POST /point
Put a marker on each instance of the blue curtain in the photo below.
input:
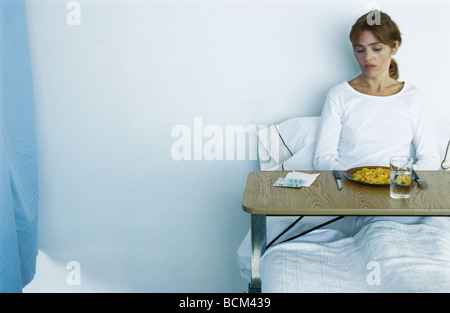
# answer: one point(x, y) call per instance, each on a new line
point(18, 153)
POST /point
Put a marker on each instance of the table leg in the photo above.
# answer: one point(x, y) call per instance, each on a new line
point(258, 232)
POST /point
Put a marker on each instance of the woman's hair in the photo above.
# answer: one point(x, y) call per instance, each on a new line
point(384, 28)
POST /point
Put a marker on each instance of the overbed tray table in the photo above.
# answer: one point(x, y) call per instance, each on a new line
point(323, 198)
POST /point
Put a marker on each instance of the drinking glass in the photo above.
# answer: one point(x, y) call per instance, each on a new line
point(401, 168)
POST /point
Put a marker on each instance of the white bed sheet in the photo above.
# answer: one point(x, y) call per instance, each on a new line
point(383, 256)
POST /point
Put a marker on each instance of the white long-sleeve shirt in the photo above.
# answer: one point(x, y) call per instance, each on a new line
point(363, 130)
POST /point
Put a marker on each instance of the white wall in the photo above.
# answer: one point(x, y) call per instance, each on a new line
point(110, 90)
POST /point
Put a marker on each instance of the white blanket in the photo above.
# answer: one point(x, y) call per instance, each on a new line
point(384, 256)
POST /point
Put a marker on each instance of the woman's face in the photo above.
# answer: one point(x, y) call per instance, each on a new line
point(373, 57)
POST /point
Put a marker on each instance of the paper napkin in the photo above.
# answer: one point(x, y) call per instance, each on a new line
point(308, 179)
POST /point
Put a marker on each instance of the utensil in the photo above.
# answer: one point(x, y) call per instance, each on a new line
point(423, 184)
point(338, 178)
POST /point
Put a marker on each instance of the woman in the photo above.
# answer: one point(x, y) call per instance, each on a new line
point(374, 116)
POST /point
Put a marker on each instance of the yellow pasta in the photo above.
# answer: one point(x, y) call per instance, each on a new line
point(379, 176)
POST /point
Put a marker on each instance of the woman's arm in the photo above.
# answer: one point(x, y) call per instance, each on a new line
point(427, 154)
point(326, 154)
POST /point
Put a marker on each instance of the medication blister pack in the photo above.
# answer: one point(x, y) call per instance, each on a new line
point(288, 182)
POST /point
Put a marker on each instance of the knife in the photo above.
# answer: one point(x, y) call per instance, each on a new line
point(338, 179)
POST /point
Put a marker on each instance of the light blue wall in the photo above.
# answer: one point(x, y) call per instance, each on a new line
point(110, 91)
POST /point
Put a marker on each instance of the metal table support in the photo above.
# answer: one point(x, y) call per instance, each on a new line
point(259, 245)
point(258, 236)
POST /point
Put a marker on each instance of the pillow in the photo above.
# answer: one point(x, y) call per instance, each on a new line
point(289, 145)
point(446, 162)
point(271, 150)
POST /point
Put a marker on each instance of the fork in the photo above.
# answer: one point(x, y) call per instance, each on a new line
point(423, 184)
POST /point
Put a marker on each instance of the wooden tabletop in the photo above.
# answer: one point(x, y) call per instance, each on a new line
point(324, 198)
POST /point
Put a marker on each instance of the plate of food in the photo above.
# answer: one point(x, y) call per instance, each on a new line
point(370, 175)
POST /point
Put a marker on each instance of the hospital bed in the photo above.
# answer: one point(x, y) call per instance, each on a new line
point(408, 254)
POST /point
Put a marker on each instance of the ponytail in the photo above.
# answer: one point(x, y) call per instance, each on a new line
point(393, 69)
